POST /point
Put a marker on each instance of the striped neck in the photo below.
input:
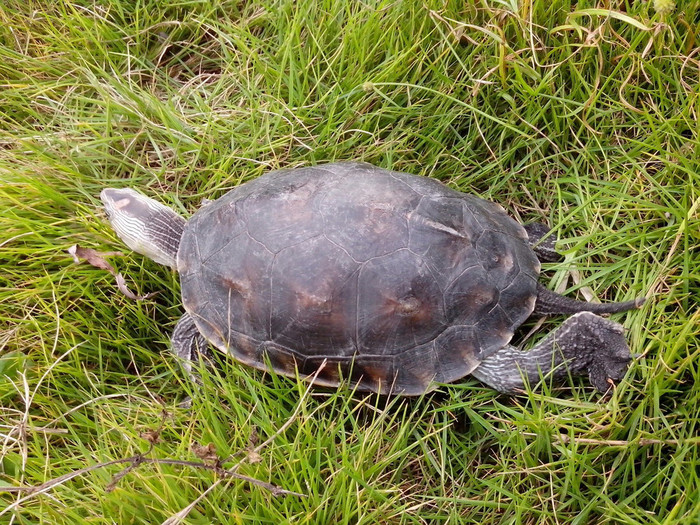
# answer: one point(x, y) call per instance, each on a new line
point(145, 225)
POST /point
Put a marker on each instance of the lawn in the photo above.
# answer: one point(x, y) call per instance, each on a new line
point(579, 114)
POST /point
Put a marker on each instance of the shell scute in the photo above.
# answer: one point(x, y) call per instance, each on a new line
point(416, 370)
point(457, 349)
point(401, 304)
point(471, 296)
point(493, 331)
point(280, 359)
point(314, 298)
point(498, 257)
point(283, 214)
point(439, 234)
point(376, 227)
point(236, 285)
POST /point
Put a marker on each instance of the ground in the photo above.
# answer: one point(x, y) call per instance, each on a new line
point(581, 115)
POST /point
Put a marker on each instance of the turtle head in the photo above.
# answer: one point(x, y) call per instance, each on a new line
point(146, 226)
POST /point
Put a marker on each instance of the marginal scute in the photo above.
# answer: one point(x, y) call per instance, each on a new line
point(457, 350)
point(493, 331)
point(515, 304)
point(396, 282)
point(328, 371)
point(424, 186)
point(377, 373)
point(279, 358)
point(490, 216)
point(380, 373)
point(416, 370)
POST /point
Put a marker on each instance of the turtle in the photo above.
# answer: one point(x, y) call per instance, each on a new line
point(386, 282)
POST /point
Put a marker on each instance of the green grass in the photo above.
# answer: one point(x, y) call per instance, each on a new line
point(583, 120)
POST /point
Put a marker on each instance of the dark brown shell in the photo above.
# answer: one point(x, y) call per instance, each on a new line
point(395, 281)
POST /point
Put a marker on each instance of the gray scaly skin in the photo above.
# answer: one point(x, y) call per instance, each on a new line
point(585, 344)
point(541, 242)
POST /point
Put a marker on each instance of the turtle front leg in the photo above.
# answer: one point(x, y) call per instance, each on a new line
point(188, 344)
point(584, 344)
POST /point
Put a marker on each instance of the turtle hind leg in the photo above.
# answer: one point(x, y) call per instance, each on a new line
point(189, 344)
point(585, 344)
point(541, 242)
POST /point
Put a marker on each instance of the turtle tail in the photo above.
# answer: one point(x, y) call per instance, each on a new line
point(551, 303)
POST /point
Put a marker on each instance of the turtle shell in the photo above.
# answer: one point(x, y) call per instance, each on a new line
point(394, 281)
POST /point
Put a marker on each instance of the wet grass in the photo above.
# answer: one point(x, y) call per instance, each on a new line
point(580, 116)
